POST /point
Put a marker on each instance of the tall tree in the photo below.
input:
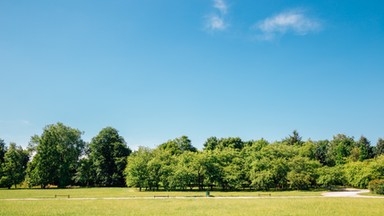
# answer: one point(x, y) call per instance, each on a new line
point(330, 176)
point(2, 152)
point(108, 152)
point(340, 148)
point(379, 147)
point(137, 172)
point(211, 143)
point(14, 166)
point(3, 149)
point(321, 153)
point(302, 173)
point(231, 142)
point(58, 151)
point(365, 148)
point(84, 174)
point(294, 139)
point(178, 146)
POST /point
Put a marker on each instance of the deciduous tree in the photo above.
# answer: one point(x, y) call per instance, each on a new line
point(58, 151)
point(379, 147)
point(14, 166)
point(108, 153)
point(136, 172)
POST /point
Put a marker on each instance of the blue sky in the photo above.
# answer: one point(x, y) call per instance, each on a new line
point(156, 70)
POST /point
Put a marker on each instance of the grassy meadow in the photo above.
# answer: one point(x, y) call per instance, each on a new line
point(97, 201)
point(131, 193)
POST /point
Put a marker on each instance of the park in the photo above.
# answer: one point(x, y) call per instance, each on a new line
point(128, 201)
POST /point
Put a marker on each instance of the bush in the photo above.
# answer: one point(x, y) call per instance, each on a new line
point(376, 186)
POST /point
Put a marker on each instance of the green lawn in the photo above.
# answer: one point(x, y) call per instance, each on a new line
point(127, 192)
point(199, 206)
point(308, 203)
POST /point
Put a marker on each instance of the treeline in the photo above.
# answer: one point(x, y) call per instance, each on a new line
point(233, 164)
point(60, 157)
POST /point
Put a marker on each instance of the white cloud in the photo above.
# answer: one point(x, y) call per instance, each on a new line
point(295, 21)
point(220, 5)
point(216, 21)
point(25, 122)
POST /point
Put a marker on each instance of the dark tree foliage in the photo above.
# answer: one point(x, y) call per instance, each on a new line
point(322, 147)
point(61, 158)
point(85, 175)
point(14, 166)
point(379, 147)
point(108, 153)
point(231, 142)
point(213, 143)
point(340, 149)
point(58, 151)
point(294, 139)
point(137, 170)
point(365, 149)
point(2, 151)
point(178, 145)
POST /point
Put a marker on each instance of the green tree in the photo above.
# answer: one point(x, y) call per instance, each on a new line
point(85, 174)
point(321, 153)
point(161, 167)
point(2, 153)
point(269, 168)
point(108, 153)
point(308, 149)
point(294, 139)
point(3, 149)
point(267, 174)
point(14, 166)
point(302, 174)
point(231, 142)
point(212, 168)
point(178, 146)
point(211, 143)
point(358, 174)
point(136, 172)
point(58, 151)
point(340, 149)
point(185, 171)
point(377, 167)
point(330, 176)
point(379, 147)
point(365, 148)
point(234, 171)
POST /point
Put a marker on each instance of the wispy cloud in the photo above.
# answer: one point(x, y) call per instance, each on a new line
point(216, 21)
point(293, 21)
point(25, 122)
point(220, 5)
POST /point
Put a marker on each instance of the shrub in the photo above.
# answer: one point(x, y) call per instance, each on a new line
point(376, 186)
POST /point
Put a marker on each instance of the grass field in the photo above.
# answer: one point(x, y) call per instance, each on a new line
point(305, 203)
point(127, 192)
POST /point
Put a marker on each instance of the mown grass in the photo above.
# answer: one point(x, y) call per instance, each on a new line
point(197, 206)
point(279, 203)
point(128, 192)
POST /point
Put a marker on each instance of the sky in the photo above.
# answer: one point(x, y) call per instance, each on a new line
point(157, 70)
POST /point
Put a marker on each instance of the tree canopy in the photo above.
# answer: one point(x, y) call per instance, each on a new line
point(60, 157)
point(14, 166)
point(58, 152)
point(108, 155)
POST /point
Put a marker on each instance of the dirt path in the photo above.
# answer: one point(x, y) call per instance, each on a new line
point(346, 193)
